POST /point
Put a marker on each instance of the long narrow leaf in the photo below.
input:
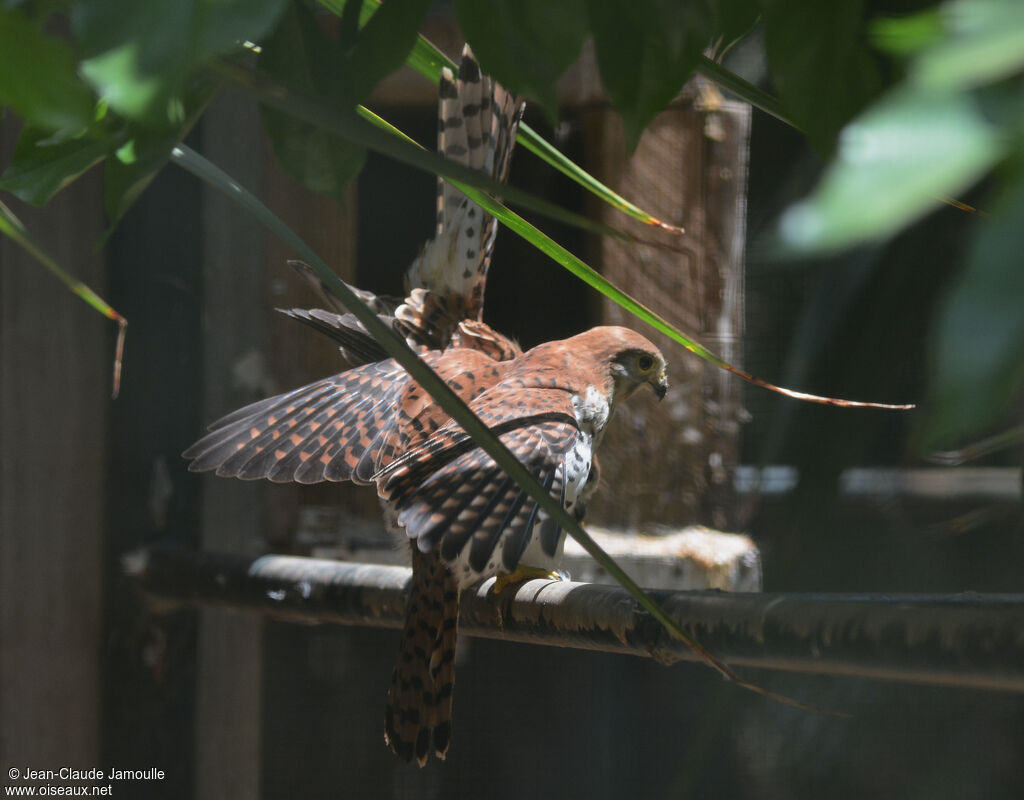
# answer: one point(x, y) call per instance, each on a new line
point(979, 449)
point(428, 60)
point(546, 151)
point(580, 221)
point(595, 279)
point(471, 182)
point(454, 406)
point(12, 227)
point(362, 128)
point(742, 89)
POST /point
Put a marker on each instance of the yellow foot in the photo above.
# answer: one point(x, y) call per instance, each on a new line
point(522, 573)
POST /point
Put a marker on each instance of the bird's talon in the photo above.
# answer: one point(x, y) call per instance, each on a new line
point(521, 575)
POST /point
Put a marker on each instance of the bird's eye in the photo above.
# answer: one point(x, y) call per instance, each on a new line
point(645, 363)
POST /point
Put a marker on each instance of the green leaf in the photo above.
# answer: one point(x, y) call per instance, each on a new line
point(978, 339)
point(646, 49)
point(42, 167)
point(820, 63)
point(892, 166)
point(365, 133)
point(138, 54)
point(453, 171)
point(525, 44)
point(300, 53)
point(38, 78)
point(340, 73)
point(984, 42)
point(316, 158)
point(13, 228)
point(222, 25)
point(906, 35)
point(383, 44)
point(744, 90)
point(139, 151)
point(960, 44)
point(424, 57)
point(427, 60)
point(120, 80)
point(128, 171)
point(547, 152)
point(594, 279)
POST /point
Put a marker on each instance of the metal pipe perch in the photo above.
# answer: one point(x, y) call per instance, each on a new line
point(966, 640)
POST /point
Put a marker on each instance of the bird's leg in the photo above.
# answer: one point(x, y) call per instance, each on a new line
point(523, 573)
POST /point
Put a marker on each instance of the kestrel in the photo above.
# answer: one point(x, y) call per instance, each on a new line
point(466, 519)
point(373, 424)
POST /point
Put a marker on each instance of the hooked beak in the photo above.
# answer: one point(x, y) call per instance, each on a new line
point(660, 387)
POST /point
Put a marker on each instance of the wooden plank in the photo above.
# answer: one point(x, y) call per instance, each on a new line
point(154, 261)
point(56, 356)
point(296, 355)
point(230, 664)
point(313, 679)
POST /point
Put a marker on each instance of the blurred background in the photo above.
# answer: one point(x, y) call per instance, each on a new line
point(236, 706)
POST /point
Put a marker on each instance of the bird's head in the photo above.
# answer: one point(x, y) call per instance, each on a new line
point(632, 360)
point(632, 368)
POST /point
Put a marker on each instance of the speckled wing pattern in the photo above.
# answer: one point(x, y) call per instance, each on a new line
point(466, 517)
point(451, 496)
point(373, 424)
point(335, 429)
point(346, 427)
point(354, 426)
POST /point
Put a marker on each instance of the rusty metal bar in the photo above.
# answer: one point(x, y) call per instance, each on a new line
point(964, 640)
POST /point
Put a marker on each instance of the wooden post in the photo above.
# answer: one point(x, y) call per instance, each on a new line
point(315, 680)
point(675, 459)
point(229, 660)
point(56, 358)
point(295, 354)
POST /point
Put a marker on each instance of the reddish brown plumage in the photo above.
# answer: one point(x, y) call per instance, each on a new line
point(457, 507)
point(463, 516)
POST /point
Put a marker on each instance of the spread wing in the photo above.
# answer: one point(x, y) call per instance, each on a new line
point(346, 427)
point(452, 495)
point(323, 431)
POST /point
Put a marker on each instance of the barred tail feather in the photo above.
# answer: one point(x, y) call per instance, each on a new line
point(418, 717)
point(477, 124)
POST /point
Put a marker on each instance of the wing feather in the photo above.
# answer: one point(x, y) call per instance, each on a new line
point(270, 418)
point(264, 456)
point(277, 438)
point(515, 538)
point(473, 518)
point(423, 484)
